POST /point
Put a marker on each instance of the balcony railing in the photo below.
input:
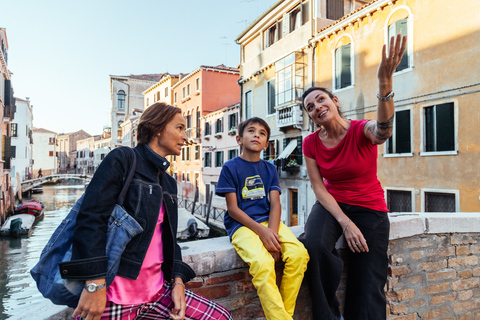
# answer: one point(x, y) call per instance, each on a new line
point(289, 116)
point(193, 133)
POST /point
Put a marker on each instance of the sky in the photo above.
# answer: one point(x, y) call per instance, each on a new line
point(61, 52)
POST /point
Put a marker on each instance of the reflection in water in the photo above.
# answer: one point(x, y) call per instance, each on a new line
point(17, 256)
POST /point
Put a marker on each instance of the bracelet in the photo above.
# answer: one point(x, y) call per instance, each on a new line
point(346, 226)
point(388, 97)
point(178, 282)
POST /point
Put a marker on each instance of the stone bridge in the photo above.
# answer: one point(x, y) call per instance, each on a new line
point(27, 185)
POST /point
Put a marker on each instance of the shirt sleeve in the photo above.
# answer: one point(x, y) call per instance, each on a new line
point(226, 183)
point(308, 147)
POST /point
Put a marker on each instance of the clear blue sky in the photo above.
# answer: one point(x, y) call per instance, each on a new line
point(61, 52)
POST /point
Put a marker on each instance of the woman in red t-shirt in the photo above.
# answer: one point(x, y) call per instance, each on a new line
point(341, 160)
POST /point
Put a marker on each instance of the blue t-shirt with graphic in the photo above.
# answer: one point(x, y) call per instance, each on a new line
point(252, 183)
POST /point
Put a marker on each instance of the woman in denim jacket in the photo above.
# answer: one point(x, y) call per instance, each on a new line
point(151, 276)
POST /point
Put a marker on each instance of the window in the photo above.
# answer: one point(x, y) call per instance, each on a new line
point(188, 120)
point(121, 99)
point(188, 90)
point(183, 176)
point(401, 26)
point(13, 130)
point(148, 103)
point(232, 121)
point(248, 105)
point(440, 202)
point(399, 201)
point(13, 151)
point(184, 92)
point(400, 141)
point(297, 152)
point(335, 9)
point(158, 95)
point(207, 129)
point(271, 152)
point(439, 128)
point(166, 92)
point(207, 159)
point(197, 84)
point(232, 153)
point(218, 159)
point(273, 33)
point(175, 176)
point(50, 153)
point(197, 123)
point(289, 78)
point(183, 154)
point(175, 97)
point(187, 151)
point(188, 177)
point(219, 126)
point(343, 74)
point(295, 19)
point(51, 140)
point(197, 152)
point(271, 96)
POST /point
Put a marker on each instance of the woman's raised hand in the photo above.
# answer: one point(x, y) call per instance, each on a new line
point(390, 63)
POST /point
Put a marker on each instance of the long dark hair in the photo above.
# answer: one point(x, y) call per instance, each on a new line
point(325, 90)
point(154, 119)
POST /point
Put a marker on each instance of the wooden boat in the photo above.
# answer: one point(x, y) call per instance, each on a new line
point(190, 227)
point(32, 207)
point(22, 221)
point(37, 189)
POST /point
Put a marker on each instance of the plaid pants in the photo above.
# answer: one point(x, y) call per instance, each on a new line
point(198, 308)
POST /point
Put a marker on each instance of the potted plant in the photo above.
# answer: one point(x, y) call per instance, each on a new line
point(292, 166)
point(232, 131)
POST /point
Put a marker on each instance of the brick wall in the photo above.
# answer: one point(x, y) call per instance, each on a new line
point(433, 274)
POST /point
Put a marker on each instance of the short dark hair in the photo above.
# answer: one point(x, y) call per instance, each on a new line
point(325, 90)
point(154, 119)
point(263, 123)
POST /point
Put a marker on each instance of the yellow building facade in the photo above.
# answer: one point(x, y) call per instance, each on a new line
point(431, 161)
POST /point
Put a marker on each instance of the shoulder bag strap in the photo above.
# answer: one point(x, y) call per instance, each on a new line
point(121, 197)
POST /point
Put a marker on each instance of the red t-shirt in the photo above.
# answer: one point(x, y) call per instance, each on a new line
point(350, 168)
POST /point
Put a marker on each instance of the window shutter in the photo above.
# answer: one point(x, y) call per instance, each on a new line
point(346, 64)
point(286, 24)
point(402, 28)
point(445, 127)
point(338, 68)
point(299, 150)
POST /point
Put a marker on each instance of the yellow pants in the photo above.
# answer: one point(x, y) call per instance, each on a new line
point(276, 304)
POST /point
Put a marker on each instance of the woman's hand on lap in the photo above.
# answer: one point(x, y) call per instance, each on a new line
point(179, 306)
point(91, 304)
point(355, 240)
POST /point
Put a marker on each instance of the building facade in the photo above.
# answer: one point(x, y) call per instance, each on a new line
point(201, 92)
point(7, 105)
point(44, 152)
point(21, 131)
point(219, 144)
point(67, 149)
point(428, 163)
point(127, 100)
point(161, 91)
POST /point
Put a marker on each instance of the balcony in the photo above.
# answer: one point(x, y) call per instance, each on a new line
point(289, 116)
point(193, 134)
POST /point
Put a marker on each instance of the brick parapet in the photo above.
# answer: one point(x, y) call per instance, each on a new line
point(433, 273)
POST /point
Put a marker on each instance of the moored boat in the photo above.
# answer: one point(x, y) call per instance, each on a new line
point(32, 207)
point(18, 225)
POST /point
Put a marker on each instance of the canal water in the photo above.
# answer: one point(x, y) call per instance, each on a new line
point(18, 291)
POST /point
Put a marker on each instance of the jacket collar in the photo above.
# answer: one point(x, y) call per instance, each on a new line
point(148, 154)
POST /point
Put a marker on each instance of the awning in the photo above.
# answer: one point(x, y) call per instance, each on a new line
point(288, 150)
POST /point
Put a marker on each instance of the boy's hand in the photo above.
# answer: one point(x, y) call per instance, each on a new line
point(270, 240)
point(275, 255)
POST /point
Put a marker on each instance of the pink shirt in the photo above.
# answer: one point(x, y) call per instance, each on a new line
point(350, 168)
point(126, 291)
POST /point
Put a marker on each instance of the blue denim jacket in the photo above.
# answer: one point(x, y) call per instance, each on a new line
point(150, 186)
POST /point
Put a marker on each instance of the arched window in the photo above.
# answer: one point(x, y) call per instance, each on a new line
point(343, 63)
point(400, 21)
point(121, 99)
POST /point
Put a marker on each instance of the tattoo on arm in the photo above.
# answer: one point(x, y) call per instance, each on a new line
point(384, 129)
